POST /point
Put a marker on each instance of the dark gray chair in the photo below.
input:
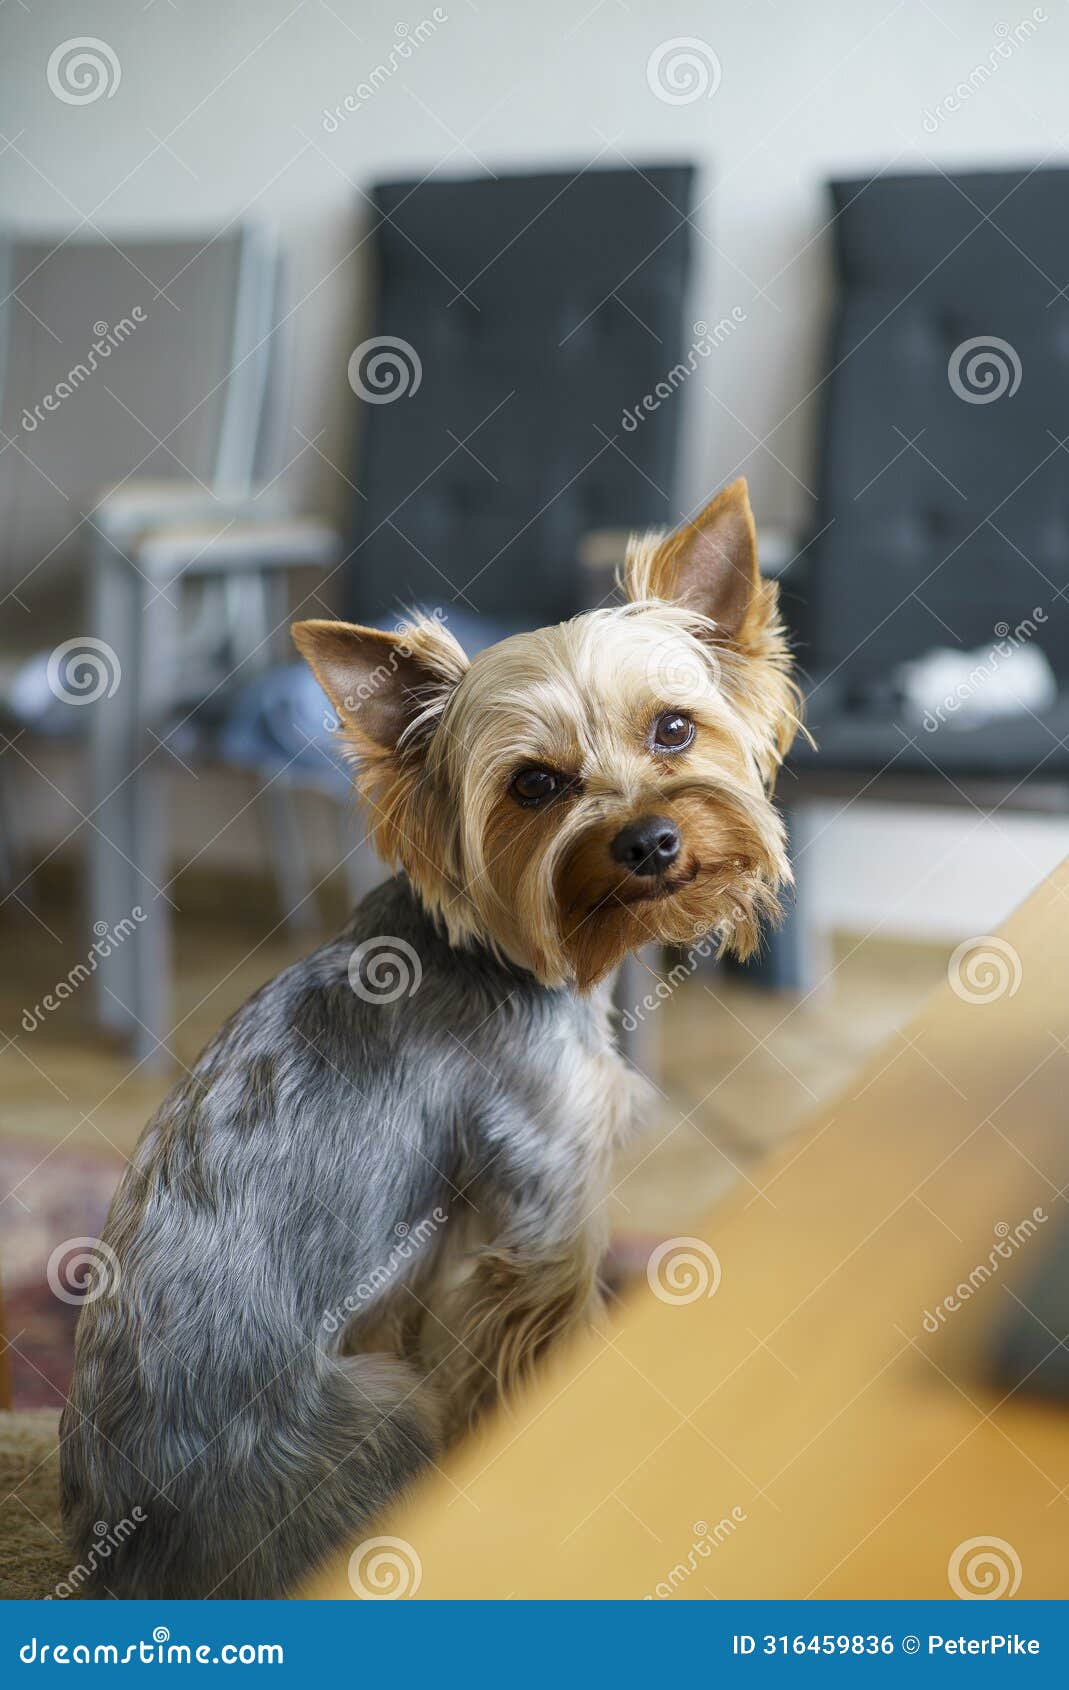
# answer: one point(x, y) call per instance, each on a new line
point(943, 515)
point(540, 309)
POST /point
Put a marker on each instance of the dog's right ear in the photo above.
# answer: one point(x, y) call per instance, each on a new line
point(382, 684)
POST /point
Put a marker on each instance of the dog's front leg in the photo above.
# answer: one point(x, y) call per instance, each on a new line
point(532, 1282)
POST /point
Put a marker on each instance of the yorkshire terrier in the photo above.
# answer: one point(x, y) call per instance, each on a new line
point(380, 1194)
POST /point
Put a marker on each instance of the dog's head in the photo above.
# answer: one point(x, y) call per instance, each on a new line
point(575, 792)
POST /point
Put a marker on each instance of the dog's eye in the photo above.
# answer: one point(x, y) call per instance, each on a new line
point(535, 785)
point(672, 731)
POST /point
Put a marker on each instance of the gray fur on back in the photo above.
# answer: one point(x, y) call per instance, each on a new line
point(209, 1389)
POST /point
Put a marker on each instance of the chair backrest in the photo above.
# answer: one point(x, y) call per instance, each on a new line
point(125, 359)
point(944, 488)
point(534, 315)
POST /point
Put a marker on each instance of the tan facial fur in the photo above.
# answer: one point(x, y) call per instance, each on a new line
point(437, 742)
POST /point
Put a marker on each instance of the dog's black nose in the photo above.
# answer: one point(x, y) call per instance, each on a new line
point(648, 846)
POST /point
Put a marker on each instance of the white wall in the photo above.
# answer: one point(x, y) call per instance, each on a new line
point(219, 111)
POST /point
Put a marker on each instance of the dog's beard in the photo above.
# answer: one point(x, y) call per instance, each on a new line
point(725, 883)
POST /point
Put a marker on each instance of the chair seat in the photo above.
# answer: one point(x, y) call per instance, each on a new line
point(872, 740)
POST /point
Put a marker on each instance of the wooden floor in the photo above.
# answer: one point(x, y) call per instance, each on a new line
point(740, 1070)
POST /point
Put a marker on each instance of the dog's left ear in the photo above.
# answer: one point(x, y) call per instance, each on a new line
point(708, 564)
point(379, 683)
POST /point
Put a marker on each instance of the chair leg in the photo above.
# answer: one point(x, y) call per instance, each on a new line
point(359, 859)
point(8, 877)
point(152, 947)
point(289, 857)
point(637, 1036)
point(113, 756)
point(795, 956)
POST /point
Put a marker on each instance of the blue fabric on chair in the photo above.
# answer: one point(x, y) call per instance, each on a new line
point(282, 723)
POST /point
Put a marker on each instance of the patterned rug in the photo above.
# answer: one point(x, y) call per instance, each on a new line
point(52, 1207)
